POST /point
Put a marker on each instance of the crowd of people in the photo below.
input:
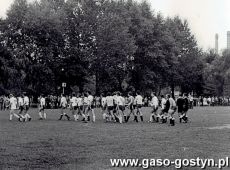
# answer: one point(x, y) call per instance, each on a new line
point(114, 107)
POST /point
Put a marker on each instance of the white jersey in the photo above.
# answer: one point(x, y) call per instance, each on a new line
point(103, 101)
point(131, 100)
point(138, 100)
point(172, 102)
point(26, 101)
point(73, 101)
point(120, 100)
point(163, 102)
point(20, 101)
point(154, 101)
point(63, 101)
point(90, 100)
point(115, 99)
point(79, 101)
point(85, 101)
point(13, 103)
point(109, 101)
point(42, 102)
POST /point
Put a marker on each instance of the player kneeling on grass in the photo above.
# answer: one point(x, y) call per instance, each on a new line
point(63, 105)
point(73, 106)
point(172, 110)
point(42, 105)
point(154, 117)
point(139, 102)
point(13, 107)
point(180, 105)
point(26, 107)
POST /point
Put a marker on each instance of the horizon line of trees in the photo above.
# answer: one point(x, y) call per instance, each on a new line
point(99, 45)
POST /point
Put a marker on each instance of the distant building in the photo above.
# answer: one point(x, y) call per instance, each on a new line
point(228, 40)
point(216, 43)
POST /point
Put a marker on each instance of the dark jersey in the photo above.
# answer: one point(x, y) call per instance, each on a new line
point(180, 104)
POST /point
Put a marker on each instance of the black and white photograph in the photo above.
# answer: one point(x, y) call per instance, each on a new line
point(114, 84)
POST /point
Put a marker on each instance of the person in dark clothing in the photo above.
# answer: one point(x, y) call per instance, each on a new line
point(165, 110)
point(185, 108)
point(180, 106)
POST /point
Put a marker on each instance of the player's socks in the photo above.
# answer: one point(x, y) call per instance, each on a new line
point(104, 116)
point(88, 118)
point(75, 117)
point(67, 116)
point(94, 118)
point(173, 121)
point(127, 119)
point(40, 115)
point(44, 115)
point(11, 117)
point(60, 117)
point(142, 118)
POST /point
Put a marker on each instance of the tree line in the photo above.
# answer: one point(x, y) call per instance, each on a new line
point(99, 45)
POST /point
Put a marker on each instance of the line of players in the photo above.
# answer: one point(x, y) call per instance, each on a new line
point(113, 107)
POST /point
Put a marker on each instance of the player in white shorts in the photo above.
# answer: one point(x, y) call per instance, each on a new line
point(110, 106)
point(139, 103)
point(63, 105)
point(42, 105)
point(120, 106)
point(90, 106)
point(172, 110)
point(13, 107)
point(80, 108)
point(73, 106)
point(21, 108)
point(26, 103)
point(154, 117)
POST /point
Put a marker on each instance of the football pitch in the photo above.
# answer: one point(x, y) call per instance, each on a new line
point(69, 145)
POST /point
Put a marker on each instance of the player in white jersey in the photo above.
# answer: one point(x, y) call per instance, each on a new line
point(130, 106)
point(80, 106)
point(85, 107)
point(110, 106)
point(139, 103)
point(172, 110)
point(26, 103)
point(163, 112)
point(21, 108)
point(103, 107)
point(42, 105)
point(13, 107)
point(73, 106)
point(63, 105)
point(154, 104)
point(120, 106)
point(90, 106)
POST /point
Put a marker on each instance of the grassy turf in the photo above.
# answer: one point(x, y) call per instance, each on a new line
point(53, 144)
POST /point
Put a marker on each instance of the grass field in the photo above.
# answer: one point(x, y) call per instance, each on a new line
point(70, 145)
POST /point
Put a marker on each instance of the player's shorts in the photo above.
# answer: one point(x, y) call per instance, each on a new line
point(21, 108)
point(74, 107)
point(139, 106)
point(110, 108)
point(27, 107)
point(103, 108)
point(42, 108)
point(155, 108)
point(131, 107)
point(122, 108)
point(115, 106)
point(90, 107)
point(134, 106)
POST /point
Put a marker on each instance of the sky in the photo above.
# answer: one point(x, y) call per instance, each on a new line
point(205, 17)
